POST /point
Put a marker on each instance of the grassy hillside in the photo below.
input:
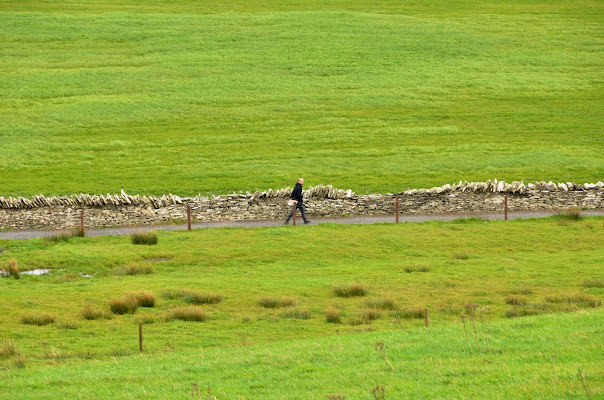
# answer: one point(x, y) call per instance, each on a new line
point(190, 97)
point(492, 272)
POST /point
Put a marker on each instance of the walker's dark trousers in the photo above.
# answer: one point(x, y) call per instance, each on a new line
point(300, 205)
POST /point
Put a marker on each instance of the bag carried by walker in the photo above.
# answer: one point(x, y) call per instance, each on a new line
point(292, 202)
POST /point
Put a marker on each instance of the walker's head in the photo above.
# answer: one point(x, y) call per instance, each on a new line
point(301, 181)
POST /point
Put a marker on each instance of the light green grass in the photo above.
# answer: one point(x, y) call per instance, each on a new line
point(309, 358)
point(188, 97)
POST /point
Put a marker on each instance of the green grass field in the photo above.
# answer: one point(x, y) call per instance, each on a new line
point(490, 271)
point(201, 96)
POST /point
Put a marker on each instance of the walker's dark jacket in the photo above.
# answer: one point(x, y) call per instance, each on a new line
point(297, 193)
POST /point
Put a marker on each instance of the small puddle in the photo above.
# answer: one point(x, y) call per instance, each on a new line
point(38, 271)
point(83, 275)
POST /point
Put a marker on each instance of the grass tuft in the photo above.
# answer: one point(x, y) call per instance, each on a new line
point(136, 269)
point(38, 319)
point(522, 290)
point(572, 214)
point(594, 283)
point(461, 256)
point(123, 305)
point(12, 269)
point(580, 300)
point(417, 268)
point(295, 313)
point(145, 238)
point(381, 304)
point(332, 315)
point(353, 290)
point(68, 324)
point(8, 348)
point(371, 314)
point(64, 236)
point(92, 314)
point(188, 314)
point(409, 313)
point(144, 298)
point(200, 298)
point(515, 300)
point(277, 302)
point(356, 321)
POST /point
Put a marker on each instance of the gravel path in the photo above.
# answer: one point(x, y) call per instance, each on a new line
point(29, 234)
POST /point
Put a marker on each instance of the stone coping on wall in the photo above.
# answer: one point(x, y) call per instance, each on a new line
point(316, 192)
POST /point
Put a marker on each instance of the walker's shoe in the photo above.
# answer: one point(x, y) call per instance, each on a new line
point(286, 223)
point(307, 221)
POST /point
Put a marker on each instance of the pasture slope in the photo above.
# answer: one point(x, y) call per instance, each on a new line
point(221, 96)
point(278, 324)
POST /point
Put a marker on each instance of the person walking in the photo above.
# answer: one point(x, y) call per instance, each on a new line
point(297, 197)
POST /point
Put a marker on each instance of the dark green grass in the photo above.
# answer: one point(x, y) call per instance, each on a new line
point(189, 97)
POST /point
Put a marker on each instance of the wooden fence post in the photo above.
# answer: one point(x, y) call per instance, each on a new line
point(188, 216)
point(140, 336)
point(505, 207)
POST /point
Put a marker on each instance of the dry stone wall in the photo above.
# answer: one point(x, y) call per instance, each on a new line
point(40, 212)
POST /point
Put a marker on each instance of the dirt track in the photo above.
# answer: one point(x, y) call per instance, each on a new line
point(29, 234)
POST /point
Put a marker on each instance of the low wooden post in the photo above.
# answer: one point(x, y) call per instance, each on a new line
point(82, 220)
point(427, 319)
point(505, 207)
point(294, 214)
point(140, 336)
point(188, 217)
point(396, 208)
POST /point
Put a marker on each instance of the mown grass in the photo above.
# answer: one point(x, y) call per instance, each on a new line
point(157, 97)
point(529, 257)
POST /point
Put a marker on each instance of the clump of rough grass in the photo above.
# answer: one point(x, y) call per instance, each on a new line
point(295, 313)
point(332, 315)
point(200, 298)
point(8, 348)
point(38, 319)
point(12, 269)
point(92, 313)
point(123, 305)
point(277, 302)
point(572, 214)
point(381, 304)
point(461, 256)
point(529, 309)
point(353, 290)
point(136, 269)
point(371, 314)
point(356, 321)
point(144, 298)
point(64, 236)
point(146, 238)
point(515, 300)
point(19, 361)
point(417, 268)
point(580, 300)
point(594, 283)
point(409, 313)
point(336, 396)
point(469, 220)
point(72, 325)
point(522, 290)
point(188, 314)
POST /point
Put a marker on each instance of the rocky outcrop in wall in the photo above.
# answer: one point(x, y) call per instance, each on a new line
point(39, 212)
